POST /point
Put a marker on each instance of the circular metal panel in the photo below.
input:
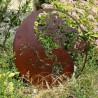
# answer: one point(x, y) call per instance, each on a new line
point(31, 59)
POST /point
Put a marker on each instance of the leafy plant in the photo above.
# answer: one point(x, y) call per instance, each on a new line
point(86, 86)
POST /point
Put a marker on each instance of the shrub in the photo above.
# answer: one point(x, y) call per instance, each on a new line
point(86, 13)
point(86, 86)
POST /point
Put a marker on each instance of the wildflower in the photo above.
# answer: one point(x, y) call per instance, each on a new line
point(46, 6)
point(94, 10)
point(91, 17)
point(95, 24)
point(95, 29)
point(74, 14)
point(97, 41)
point(83, 27)
point(70, 1)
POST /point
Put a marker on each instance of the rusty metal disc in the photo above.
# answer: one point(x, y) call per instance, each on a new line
point(31, 59)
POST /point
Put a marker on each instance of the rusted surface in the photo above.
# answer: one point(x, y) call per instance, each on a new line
point(31, 59)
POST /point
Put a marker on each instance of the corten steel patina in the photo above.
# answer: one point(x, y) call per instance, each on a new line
point(30, 56)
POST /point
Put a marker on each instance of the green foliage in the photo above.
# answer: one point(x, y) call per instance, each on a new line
point(9, 76)
point(53, 41)
point(11, 18)
point(25, 7)
point(45, 1)
point(4, 4)
point(86, 86)
point(83, 87)
point(85, 13)
point(48, 1)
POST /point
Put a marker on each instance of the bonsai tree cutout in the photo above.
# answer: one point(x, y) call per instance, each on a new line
point(47, 45)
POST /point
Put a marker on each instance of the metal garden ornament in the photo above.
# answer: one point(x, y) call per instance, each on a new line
point(46, 46)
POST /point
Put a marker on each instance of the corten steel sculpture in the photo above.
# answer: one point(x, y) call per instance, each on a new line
point(30, 56)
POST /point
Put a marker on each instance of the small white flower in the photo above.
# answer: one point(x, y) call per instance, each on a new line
point(35, 91)
point(97, 41)
point(94, 10)
point(46, 6)
point(70, 1)
point(75, 68)
point(95, 24)
point(74, 14)
point(91, 17)
point(83, 27)
point(95, 29)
